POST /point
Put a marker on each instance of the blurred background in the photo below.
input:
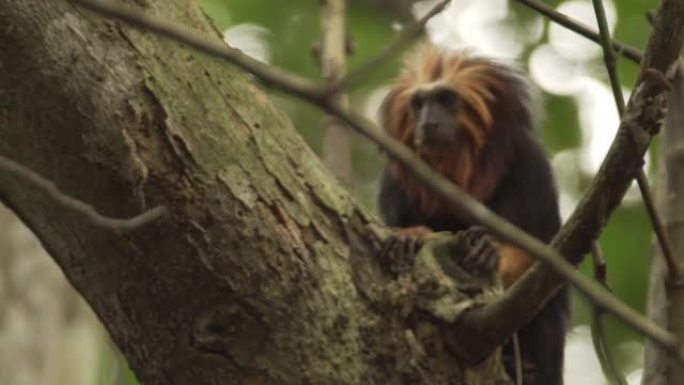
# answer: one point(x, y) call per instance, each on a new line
point(48, 336)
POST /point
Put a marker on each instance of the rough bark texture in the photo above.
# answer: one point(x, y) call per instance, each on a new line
point(665, 297)
point(262, 273)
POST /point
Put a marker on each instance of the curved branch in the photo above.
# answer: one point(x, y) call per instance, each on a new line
point(51, 189)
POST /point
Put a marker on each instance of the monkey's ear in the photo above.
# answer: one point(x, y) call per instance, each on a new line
point(384, 113)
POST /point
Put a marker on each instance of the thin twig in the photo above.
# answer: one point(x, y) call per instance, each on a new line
point(598, 332)
point(625, 50)
point(336, 142)
point(518, 359)
point(603, 352)
point(76, 205)
point(600, 268)
point(405, 38)
point(455, 197)
point(674, 265)
point(610, 59)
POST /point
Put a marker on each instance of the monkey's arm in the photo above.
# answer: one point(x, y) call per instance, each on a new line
point(396, 211)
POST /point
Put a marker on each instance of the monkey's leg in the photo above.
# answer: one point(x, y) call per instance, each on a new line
point(513, 263)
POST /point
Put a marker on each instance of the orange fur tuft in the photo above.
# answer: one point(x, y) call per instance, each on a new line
point(479, 82)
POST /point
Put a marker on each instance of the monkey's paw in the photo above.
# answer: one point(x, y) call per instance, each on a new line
point(483, 255)
point(401, 246)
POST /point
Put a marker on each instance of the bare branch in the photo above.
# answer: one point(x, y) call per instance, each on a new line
point(599, 263)
point(120, 225)
point(625, 50)
point(518, 359)
point(527, 296)
point(673, 263)
point(609, 56)
point(603, 352)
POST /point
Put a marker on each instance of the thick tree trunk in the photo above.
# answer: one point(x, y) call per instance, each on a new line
point(264, 270)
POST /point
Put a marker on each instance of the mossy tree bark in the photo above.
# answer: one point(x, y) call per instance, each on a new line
point(264, 271)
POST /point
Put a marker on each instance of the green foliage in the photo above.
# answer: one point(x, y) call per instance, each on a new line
point(560, 128)
point(626, 243)
point(632, 28)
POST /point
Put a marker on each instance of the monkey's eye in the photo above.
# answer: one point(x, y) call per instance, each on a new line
point(446, 97)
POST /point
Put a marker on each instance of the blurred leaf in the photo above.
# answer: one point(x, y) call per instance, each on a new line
point(626, 243)
point(560, 128)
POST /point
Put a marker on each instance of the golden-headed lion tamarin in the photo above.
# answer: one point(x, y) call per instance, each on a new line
point(471, 119)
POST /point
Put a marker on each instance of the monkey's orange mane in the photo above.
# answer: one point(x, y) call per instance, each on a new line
point(478, 82)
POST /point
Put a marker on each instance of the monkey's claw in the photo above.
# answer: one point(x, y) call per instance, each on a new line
point(483, 256)
point(400, 247)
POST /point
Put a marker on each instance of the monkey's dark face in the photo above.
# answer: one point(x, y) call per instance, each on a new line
point(435, 110)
